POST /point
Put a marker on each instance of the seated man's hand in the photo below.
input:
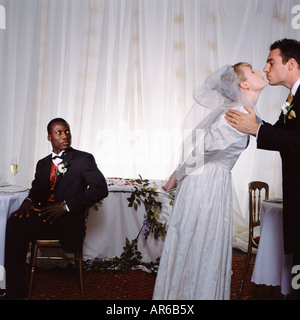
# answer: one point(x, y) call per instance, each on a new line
point(52, 213)
point(24, 209)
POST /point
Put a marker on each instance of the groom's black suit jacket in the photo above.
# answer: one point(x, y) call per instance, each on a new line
point(285, 138)
point(81, 186)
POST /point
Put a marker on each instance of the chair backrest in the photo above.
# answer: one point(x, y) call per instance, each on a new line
point(258, 191)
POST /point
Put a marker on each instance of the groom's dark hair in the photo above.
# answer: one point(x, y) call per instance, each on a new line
point(289, 48)
point(53, 121)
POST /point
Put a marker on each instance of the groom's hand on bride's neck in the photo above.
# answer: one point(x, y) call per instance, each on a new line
point(243, 122)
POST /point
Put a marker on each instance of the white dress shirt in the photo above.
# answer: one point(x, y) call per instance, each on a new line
point(295, 87)
point(57, 160)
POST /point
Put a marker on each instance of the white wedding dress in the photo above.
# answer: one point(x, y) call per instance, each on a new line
point(196, 258)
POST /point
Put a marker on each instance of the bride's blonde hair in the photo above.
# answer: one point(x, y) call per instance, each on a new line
point(239, 72)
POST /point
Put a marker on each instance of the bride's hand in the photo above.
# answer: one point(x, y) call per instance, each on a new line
point(171, 184)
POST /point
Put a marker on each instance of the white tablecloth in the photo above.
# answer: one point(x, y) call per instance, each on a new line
point(108, 227)
point(272, 266)
point(9, 202)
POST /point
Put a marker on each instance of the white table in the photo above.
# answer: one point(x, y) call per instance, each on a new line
point(272, 266)
point(108, 227)
point(9, 202)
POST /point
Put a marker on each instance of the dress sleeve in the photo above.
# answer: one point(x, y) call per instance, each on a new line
point(208, 142)
point(221, 135)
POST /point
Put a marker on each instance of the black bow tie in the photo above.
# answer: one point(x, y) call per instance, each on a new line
point(60, 157)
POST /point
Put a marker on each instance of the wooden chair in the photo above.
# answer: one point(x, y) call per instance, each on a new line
point(77, 258)
point(255, 189)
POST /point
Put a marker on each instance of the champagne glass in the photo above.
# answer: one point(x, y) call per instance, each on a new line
point(14, 167)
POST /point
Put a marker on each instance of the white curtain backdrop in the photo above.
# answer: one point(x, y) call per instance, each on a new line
point(122, 73)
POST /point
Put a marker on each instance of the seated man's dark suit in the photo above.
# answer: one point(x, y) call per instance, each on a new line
point(81, 186)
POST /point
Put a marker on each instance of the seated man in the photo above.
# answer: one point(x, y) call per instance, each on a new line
point(66, 182)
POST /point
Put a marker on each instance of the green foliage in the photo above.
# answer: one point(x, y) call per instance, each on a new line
point(129, 259)
point(147, 196)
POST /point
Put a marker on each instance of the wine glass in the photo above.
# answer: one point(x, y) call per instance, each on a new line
point(14, 167)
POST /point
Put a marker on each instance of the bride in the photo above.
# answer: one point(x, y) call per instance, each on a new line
point(196, 258)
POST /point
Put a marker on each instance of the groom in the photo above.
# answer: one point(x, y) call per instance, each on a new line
point(66, 182)
point(282, 68)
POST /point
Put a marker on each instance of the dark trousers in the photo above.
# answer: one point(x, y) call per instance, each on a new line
point(19, 232)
